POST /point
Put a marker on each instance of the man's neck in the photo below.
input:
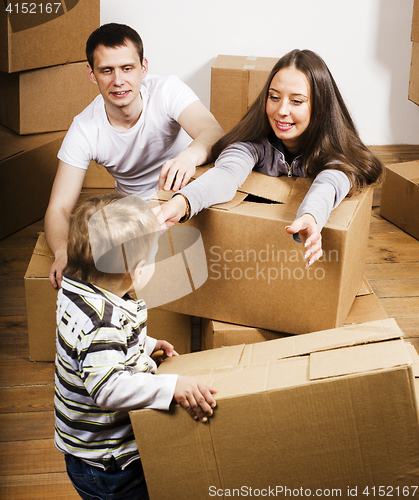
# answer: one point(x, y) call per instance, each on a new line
point(126, 117)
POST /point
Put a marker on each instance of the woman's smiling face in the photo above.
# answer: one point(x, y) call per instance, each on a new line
point(288, 106)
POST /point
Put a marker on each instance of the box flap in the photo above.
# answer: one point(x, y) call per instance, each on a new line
point(41, 247)
point(41, 260)
point(203, 361)
point(298, 345)
point(358, 359)
point(409, 170)
point(275, 189)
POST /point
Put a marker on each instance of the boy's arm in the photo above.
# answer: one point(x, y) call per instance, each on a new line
point(64, 195)
point(204, 129)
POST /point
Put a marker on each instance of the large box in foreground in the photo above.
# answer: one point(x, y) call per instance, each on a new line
point(36, 35)
point(400, 196)
point(236, 81)
point(257, 275)
point(41, 300)
point(333, 410)
point(27, 169)
point(67, 90)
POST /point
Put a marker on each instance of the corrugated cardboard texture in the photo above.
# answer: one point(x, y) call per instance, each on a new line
point(414, 74)
point(27, 166)
point(276, 427)
point(400, 196)
point(256, 272)
point(41, 300)
point(236, 81)
point(38, 39)
point(67, 90)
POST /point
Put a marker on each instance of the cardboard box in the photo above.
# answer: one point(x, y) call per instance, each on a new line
point(256, 273)
point(332, 410)
point(400, 196)
point(236, 81)
point(414, 65)
point(215, 334)
point(48, 34)
point(65, 90)
point(414, 36)
point(27, 169)
point(414, 74)
point(41, 300)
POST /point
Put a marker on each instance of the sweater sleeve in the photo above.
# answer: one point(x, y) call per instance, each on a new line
point(117, 383)
point(329, 188)
point(220, 183)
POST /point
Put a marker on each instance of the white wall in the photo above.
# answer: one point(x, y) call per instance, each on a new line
point(365, 43)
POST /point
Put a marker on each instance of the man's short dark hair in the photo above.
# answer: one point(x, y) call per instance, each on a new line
point(113, 35)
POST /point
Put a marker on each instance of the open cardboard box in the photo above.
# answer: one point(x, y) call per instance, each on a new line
point(366, 307)
point(41, 300)
point(27, 168)
point(67, 86)
point(36, 35)
point(257, 275)
point(331, 410)
point(400, 196)
point(236, 81)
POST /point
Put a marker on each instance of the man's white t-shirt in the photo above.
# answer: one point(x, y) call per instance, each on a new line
point(133, 157)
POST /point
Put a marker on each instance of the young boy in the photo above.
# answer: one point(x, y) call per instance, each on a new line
point(103, 363)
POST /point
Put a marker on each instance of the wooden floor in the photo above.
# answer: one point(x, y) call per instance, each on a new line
point(30, 467)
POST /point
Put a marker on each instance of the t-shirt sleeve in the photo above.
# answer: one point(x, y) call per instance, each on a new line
point(75, 148)
point(178, 96)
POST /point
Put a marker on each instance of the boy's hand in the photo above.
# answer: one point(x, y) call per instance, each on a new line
point(195, 397)
point(163, 350)
point(311, 238)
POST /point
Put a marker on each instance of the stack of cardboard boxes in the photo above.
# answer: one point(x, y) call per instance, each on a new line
point(400, 193)
point(43, 85)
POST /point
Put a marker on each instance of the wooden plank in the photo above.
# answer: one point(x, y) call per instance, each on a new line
point(30, 457)
point(401, 306)
point(25, 238)
point(55, 486)
point(13, 264)
point(25, 372)
point(24, 427)
point(26, 398)
point(396, 288)
point(396, 271)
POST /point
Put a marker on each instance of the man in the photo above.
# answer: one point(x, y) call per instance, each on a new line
point(149, 132)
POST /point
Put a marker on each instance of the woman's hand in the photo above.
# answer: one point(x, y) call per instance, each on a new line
point(311, 238)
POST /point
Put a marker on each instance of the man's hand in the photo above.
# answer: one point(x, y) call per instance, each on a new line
point(311, 238)
point(56, 272)
point(170, 212)
point(176, 173)
point(195, 397)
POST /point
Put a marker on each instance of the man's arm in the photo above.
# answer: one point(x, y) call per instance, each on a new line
point(64, 195)
point(204, 129)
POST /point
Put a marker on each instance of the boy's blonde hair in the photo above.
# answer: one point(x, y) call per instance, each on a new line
point(109, 235)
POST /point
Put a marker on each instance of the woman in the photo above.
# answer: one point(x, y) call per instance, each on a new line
point(299, 125)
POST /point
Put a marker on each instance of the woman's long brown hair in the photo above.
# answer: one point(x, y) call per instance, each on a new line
point(330, 140)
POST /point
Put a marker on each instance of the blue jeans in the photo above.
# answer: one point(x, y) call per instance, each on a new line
point(94, 483)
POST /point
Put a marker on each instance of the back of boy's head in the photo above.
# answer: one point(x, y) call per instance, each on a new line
point(108, 236)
